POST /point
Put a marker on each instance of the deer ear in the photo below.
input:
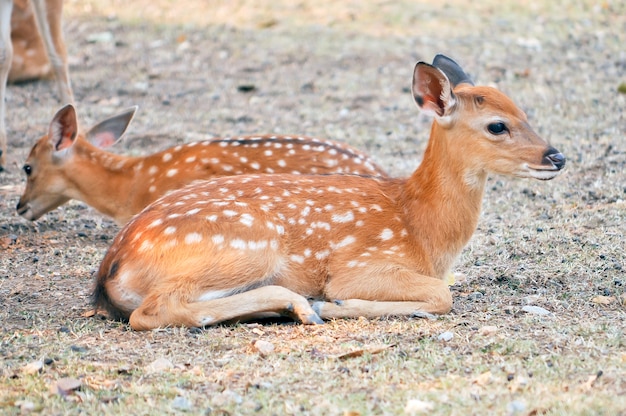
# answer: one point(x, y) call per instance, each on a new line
point(431, 90)
point(63, 128)
point(108, 132)
point(453, 71)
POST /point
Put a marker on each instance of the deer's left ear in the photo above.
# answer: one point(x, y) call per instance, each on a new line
point(108, 132)
point(432, 90)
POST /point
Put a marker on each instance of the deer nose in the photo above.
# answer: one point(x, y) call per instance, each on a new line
point(555, 157)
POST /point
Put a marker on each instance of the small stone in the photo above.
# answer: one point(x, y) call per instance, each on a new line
point(159, 365)
point(33, 368)
point(488, 330)
point(263, 347)
point(445, 336)
point(181, 403)
point(536, 310)
point(65, 386)
point(415, 406)
point(516, 407)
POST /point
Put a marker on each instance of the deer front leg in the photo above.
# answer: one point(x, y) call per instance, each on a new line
point(161, 310)
point(397, 293)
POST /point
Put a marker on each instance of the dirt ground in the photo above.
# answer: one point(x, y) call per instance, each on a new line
point(339, 70)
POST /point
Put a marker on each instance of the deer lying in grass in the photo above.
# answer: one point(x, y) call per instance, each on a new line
point(65, 165)
point(31, 47)
point(239, 247)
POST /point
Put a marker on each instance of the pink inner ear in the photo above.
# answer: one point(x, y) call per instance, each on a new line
point(431, 104)
point(103, 139)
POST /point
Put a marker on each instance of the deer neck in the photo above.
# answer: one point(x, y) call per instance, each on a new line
point(104, 180)
point(443, 201)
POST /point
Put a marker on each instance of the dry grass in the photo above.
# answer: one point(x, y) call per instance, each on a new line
point(338, 70)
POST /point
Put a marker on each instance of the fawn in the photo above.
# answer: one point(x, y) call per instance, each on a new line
point(65, 165)
point(236, 248)
point(31, 47)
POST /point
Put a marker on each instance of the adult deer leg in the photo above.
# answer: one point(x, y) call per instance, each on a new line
point(48, 31)
point(6, 55)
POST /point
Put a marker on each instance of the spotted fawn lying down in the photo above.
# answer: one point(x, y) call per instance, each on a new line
point(65, 164)
point(235, 248)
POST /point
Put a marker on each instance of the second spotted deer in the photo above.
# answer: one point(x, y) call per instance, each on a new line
point(239, 247)
point(65, 164)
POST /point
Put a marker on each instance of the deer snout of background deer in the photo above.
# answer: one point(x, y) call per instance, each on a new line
point(238, 247)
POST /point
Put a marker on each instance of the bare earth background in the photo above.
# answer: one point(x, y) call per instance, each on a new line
point(340, 70)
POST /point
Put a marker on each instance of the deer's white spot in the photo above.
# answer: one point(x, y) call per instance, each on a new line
point(167, 157)
point(229, 213)
point(322, 254)
point(281, 163)
point(296, 259)
point(193, 211)
point(192, 238)
point(345, 217)
point(153, 170)
point(212, 217)
point(169, 230)
point(156, 222)
point(239, 244)
point(171, 172)
point(145, 245)
point(268, 153)
point(255, 165)
point(257, 245)
point(246, 219)
point(386, 234)
point(152, 189)
point(226, 167)
point(190, 159)
point(343, 243)
point(321, 224)
point(217, 239)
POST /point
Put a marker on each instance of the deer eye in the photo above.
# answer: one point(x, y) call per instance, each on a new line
point(28, 169)
point(497, 128)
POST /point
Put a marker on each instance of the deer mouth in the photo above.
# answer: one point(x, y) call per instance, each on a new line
point(25, 211)
point(543, 173)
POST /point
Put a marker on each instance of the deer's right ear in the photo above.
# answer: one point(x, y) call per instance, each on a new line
point(63, 128)
point(431, 90)
point(108, 132)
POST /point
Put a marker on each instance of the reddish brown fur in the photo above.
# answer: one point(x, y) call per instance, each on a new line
point(121, 186)
point(232, 248)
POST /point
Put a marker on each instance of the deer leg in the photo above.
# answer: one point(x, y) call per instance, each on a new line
point(6, 55)
point(59, 64)
point(162, 310)
point(397, 293)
